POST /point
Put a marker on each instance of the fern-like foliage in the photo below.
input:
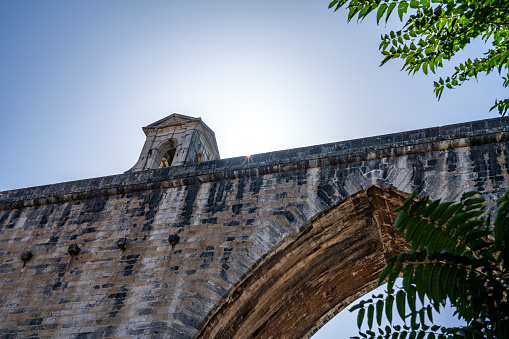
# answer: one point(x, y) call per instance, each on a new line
point(457, 256)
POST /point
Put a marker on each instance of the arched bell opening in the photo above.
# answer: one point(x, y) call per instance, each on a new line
point(315, 273)
point(167, 158)
point(176, 140)
point(166, 153)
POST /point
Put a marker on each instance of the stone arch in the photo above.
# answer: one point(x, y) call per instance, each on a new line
point(165, 153)
point(332, 260)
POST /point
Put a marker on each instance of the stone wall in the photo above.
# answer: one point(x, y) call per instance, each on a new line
point(228, 215)
point(315, 272)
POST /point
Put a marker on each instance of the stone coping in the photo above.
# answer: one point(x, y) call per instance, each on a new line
point(390, 145)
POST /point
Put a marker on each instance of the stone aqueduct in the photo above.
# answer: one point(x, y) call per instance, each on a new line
point(271, 246)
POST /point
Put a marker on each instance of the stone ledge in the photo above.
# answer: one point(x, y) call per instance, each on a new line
point(365, 149)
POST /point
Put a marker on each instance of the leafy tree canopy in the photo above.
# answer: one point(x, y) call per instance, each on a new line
point(435, 30)
point(456, 256)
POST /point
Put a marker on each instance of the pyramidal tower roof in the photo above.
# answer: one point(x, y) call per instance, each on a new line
point(172, 119)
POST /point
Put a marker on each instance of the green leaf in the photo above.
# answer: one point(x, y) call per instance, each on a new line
point(379, 311)
point(461, 218)
point(407, 276)
point(393, 276)
point(401, 303)
point(448, 213)
point(465, 227)
point(450, 282)
point(411, 294)
point(471, 201)
point(461, 281)
point(430, 208)
point(360, 317)
point(380, 12)
point(401, 220)
point(402, 9)
point(388, 307)
point(476, 234)
point(419, 281)
point(432, 66)
point(385, 272)
point(426, 235)
point(333, 3)
point(479, 244)
point(418, 234)
point(437, 213)
point(356, 306)
point(352, 12)
point(418, 207)
point(434, 239)
point(365, 11)
point(422, 318)
point(413, 224)
point(391, 7)
point(436, 288)
point(427, 279)
point(441, 241)
point(371, 311)
point(429, 312)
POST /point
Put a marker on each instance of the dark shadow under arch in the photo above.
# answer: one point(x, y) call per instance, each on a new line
point(313, 274)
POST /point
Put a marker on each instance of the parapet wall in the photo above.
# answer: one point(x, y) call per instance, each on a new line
point(228, 215)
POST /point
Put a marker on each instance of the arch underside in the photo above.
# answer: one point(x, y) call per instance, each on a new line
point(315, 273)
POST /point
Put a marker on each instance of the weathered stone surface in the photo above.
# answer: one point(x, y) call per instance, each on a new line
point(315, 272)
point(231, 216)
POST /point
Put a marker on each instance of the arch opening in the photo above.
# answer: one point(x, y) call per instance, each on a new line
point(167, 158)
point(331, 261)
point(166, 153)
point(347, 321)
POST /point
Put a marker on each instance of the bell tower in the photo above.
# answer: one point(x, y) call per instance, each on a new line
point(176, 140)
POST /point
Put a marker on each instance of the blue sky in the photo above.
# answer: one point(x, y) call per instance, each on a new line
point(78, 80)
